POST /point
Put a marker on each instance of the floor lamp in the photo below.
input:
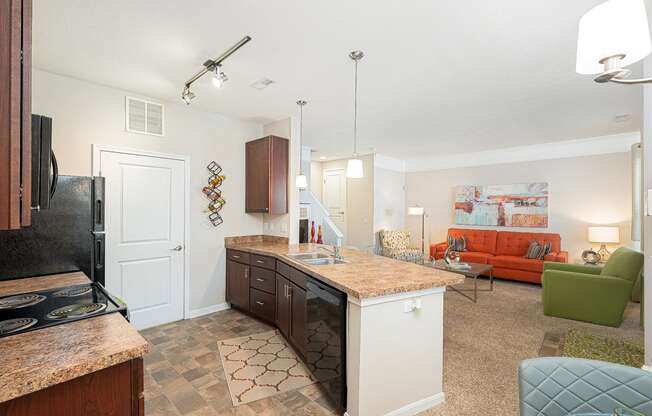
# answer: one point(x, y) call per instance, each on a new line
point(420, 212)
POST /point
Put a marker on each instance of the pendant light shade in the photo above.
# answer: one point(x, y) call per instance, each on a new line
point(301, 181)
point(614, 29)
point(354, 166)
point(354, 169)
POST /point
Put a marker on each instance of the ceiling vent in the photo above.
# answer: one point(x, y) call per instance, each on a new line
point(145, 117)
point(262, 83)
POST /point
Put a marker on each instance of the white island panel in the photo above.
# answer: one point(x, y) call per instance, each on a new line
point(395, 354)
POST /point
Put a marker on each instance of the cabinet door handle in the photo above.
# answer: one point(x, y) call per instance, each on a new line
point(246, 273)
point(260, 262)
point(235, 256)
point(259, 279)
point(286, 291)
point(261, 303)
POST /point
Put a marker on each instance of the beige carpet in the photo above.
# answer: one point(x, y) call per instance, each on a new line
point(261, 365)
point(485, 342)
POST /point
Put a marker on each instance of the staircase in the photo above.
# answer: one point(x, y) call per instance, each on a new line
point(331, 235)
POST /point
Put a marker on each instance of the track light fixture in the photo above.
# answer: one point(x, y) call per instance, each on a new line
point(187, 96)
point(219, 77)
point(214, 66)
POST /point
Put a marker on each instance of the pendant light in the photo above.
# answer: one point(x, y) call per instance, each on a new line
point(302, 180)
point(354, 166)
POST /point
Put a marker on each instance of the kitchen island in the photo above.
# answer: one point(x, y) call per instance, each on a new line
point(394, 321)
point(91, 366)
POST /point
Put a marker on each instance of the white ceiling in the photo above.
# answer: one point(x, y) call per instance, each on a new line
point(439, 76)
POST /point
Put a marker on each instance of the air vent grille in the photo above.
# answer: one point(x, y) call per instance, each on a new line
point(144, 117)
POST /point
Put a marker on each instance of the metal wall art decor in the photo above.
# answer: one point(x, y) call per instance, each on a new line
point(214, 194)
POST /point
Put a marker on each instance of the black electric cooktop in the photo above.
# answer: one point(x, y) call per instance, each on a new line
point(35, 310)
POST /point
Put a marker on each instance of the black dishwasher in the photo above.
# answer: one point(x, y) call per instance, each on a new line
point(326, 339)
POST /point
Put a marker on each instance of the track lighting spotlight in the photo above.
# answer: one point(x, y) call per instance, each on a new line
point(219, 77)
point(214, 66)
point(187, 96)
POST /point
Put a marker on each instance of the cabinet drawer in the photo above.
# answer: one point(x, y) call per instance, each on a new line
point(263, 261)
point(283, 269)
point(239, 256)
point(298, 278)
point(263, 305)
point(263, 279)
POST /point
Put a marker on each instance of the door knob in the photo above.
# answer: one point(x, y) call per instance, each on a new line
point(178, 248)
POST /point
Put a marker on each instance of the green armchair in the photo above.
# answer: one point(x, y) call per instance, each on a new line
point(589, 293)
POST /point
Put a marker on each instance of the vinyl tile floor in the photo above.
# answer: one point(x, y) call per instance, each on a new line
point(483, 345)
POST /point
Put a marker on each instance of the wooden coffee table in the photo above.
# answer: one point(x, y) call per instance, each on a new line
point(474, 271)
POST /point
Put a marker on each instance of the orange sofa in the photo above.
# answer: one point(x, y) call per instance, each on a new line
point(505, 250)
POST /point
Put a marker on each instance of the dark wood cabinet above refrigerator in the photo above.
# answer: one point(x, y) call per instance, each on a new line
point(267, 175)
point(15, 113)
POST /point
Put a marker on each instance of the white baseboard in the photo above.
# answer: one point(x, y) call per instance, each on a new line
point(195, 313)
point(647, 368)
point(416, 407)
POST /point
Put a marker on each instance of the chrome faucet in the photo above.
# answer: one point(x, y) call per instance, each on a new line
point(335, 250)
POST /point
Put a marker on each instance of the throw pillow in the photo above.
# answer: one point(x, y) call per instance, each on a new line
point(538, 251)
point(456, 244)
point(534, 251)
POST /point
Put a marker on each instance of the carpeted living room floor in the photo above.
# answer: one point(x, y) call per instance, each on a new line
point(483, 346)
point(485, 342)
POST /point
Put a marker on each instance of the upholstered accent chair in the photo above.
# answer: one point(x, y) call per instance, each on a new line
point(561, 386)
point(592, 294)
point(396, 244)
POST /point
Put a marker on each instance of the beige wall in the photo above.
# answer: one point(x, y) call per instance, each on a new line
point(85, 114)
point(583, 191)
point(389, 200)
point(359, 203)
point(647, 184)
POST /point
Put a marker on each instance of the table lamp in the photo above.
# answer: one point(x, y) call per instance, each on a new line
point(418, 211)
point(604, 235)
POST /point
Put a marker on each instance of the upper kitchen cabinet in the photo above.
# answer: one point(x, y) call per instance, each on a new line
point(267, 175)
point(15, 113)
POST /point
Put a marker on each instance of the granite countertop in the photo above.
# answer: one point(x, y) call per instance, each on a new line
point(38, 359)
point(363, 276)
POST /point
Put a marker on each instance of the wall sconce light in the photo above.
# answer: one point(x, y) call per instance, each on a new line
point(611, 36)
point(214, 66)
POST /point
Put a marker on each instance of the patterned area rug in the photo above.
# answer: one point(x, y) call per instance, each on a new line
point(583, 344)
point(261, 365)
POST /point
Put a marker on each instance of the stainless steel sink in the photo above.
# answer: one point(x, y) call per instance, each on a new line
point(324, 261)
point(309, 256)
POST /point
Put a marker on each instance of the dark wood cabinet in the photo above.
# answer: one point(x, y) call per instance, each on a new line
point(263, 305)
point(283, 305)
point(116, 390)
point(270, 290)
point(15, 113)
point(299, 318)
point(237, 284)
point(267, 175)
point(263, 279)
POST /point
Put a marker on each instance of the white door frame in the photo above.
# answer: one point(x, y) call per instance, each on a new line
point(95, 167)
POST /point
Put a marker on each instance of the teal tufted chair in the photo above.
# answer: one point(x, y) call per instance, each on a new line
point(560, 386)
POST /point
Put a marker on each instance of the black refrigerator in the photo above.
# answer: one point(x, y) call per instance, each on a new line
point(68, 236)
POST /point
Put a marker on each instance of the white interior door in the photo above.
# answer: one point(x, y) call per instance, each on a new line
point(334, 194)
point(145, 234)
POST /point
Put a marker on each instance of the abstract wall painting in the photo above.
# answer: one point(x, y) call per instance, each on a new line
point(516, 205)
